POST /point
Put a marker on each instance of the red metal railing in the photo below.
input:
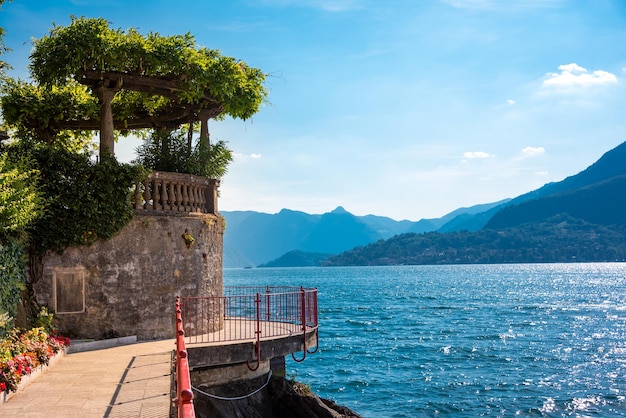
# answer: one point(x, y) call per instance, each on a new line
point(250, 313)
point(184, 394)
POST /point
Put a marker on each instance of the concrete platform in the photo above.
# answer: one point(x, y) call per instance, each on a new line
point(126, 381)
point(236, 343)
point(236, 330)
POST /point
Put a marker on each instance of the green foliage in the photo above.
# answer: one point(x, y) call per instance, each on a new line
point(12, 280)
point(211, 160)
point(88, 44)
point(165, 151)
point(33, 110)
point(45, 320)
point(19, 199)
point(3, 47)
point(170, 151)
point(84, 200)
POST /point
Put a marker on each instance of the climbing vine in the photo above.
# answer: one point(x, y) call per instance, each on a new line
point(83, 200)
point(12, 280)
point(69, 63)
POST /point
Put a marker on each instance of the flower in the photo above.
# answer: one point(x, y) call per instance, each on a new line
point(21, 353)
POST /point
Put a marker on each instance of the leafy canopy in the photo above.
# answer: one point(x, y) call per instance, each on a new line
point(160, 81)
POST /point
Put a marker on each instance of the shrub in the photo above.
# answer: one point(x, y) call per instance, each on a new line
point(171, 151)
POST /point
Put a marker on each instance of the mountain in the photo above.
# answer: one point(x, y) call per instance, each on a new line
point(595, 196)
point(602, 203)
point(559, 239)
point(257, 238)
point(582, 218)
point(338, 231)
point(611, 164)
point(254, 238)
point(299, 259)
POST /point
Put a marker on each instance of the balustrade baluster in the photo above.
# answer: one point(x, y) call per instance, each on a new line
point(164, 195)
point(172, 196)
point(185, 198)
point(192, 198)
point(176, 192)
point(179, 197)
point(138, 204)
point(148, 194)
point(156, 195)
point(201, 199)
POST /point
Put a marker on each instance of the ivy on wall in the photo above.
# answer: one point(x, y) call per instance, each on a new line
point(84, 200)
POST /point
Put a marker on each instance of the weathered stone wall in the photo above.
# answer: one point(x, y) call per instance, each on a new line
point(129, 283)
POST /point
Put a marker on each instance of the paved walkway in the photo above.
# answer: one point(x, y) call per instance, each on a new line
point(128, 381)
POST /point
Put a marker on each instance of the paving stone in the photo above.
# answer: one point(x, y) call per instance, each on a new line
point(125, 381)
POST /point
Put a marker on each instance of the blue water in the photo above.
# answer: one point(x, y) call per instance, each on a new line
point(544, 340)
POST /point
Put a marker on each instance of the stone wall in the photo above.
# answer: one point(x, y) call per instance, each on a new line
point(128, 284)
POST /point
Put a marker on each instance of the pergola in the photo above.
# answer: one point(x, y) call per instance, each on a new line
point(135, 82)
point(106, 85)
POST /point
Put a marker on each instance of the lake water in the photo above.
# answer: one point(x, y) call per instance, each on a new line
point(473, 340)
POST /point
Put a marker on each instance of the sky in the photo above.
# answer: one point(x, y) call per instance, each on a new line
point(408, 109)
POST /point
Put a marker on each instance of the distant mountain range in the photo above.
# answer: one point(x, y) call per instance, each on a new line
point(255, 238)
point(593, 197)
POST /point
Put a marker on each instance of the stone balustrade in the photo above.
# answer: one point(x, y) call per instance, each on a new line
point(163, 192)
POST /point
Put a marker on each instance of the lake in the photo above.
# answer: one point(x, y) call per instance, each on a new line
point(465, 340)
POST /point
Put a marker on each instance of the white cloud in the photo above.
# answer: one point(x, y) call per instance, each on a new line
point(241, 156)
point(510, 102)
point(532, 151)
point(573, 75)
point(470, 155)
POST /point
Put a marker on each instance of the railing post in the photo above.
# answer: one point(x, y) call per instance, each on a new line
point(257, 304)
point(303, 310)
point(303, 321)
point(184, 395)
point(267, 291)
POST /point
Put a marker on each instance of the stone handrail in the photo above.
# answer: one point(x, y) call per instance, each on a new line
point(163, 192)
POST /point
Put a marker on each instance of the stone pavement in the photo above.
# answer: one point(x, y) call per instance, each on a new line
point(127, 381)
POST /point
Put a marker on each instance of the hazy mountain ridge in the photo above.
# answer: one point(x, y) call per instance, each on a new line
point(582, 218)
point(254, 238)
point(595, 196)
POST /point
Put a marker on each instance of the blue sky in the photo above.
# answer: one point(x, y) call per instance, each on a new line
point(401, 108)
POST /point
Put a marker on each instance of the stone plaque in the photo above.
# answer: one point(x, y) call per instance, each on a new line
point(69, 290)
